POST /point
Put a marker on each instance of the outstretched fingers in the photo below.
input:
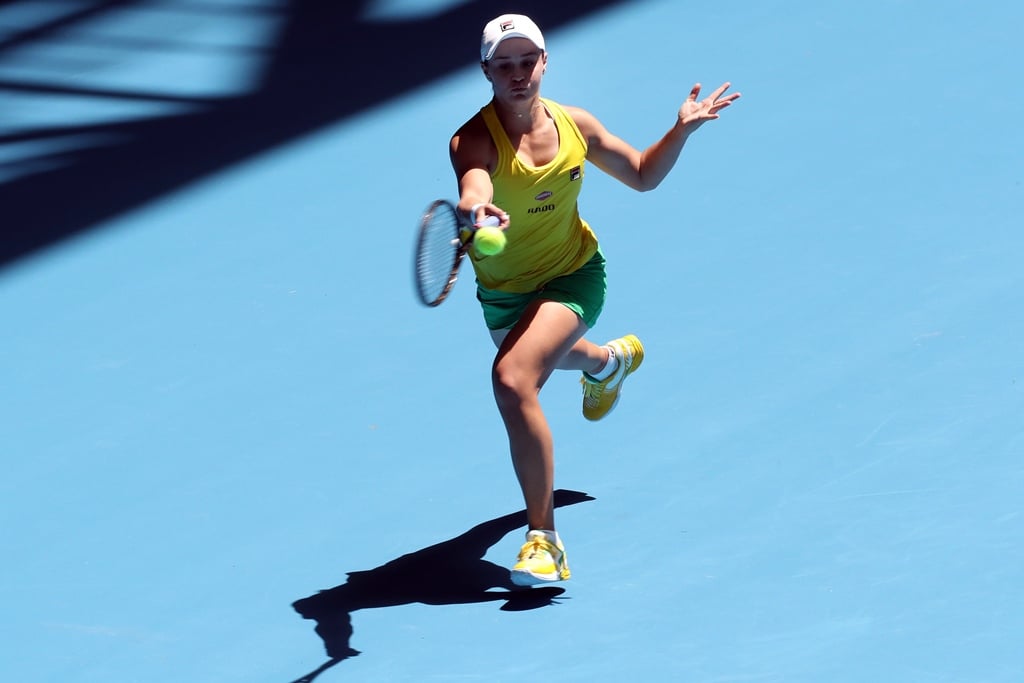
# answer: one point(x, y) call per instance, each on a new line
point(719, 101)
point(695, 111)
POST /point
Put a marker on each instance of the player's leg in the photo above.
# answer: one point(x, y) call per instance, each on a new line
point(584, 355)
point(527, 356)
point(604, 368)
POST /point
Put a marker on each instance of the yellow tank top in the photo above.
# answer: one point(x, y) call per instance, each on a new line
point(546, 236)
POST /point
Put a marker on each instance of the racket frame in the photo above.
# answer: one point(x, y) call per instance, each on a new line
point(461, 241)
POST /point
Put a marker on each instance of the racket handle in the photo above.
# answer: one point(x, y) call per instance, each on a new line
point(466, 234)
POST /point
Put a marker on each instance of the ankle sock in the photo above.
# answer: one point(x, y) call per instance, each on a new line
point(550, 536)
point(609, 366)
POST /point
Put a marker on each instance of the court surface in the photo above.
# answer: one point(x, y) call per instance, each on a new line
point(219, 397)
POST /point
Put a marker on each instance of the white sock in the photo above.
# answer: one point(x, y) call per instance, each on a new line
point(609, 366)
point(550, 536)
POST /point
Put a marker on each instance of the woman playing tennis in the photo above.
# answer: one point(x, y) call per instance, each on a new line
point(522, 158)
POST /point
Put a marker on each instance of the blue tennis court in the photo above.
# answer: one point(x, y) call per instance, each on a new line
point(236, 448)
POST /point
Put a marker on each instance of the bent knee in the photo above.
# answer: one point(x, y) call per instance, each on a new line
point(512, 386)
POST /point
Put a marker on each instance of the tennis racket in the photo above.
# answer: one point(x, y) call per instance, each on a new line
point(444, 238)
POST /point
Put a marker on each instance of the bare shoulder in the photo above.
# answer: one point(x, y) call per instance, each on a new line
point(471, 144)
point(471, 134)
point(588, 124)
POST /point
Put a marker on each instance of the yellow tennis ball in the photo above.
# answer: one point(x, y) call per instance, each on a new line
point(489, 241)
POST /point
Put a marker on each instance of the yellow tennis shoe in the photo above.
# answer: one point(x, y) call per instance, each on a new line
point(540, 561)
point(599, 397)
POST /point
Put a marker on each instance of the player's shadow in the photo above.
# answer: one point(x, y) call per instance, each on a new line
point(452, 572)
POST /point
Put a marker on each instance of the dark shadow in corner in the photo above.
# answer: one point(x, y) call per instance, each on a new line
point(328, 62)
point(452, 572)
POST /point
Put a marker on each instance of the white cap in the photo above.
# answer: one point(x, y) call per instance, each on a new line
point(508, 26)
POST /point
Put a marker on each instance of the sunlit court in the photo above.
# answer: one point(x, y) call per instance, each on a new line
point(237, 448)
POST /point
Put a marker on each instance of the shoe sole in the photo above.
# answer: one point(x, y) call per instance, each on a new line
point(527, 579)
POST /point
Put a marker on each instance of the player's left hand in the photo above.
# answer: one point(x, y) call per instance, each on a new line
point(696, 112)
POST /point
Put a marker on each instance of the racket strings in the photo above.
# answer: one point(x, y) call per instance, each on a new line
point(437, 254)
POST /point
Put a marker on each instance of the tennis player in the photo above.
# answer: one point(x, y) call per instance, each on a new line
point(522, 158)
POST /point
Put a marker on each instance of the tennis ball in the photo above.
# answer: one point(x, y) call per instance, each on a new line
point(489, 241)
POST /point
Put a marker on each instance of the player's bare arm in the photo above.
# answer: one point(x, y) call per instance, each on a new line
point(645, 170)
point(473, 156)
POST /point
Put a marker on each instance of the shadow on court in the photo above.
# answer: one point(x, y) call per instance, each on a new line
point(452, 572)
point(326, 62)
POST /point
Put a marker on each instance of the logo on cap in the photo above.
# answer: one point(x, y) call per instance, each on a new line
point(507, 25)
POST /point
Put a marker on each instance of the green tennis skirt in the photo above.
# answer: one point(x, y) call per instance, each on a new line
point(582, 291)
